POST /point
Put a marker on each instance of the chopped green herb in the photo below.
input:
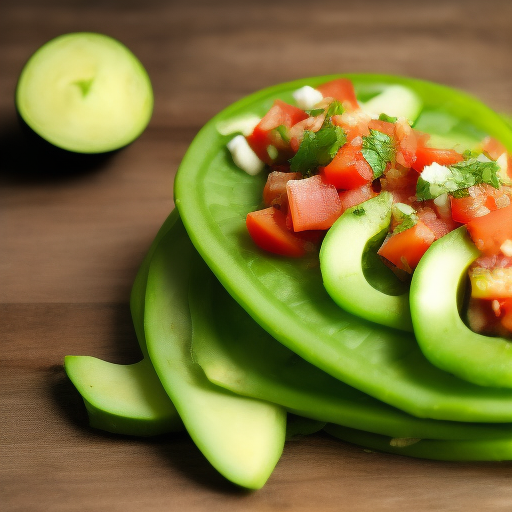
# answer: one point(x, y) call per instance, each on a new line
point(388, 119)
point(315, 112)
point(283, 131)
point(317, 148)
point(359, 211)
point(456, 178)
point(378, 150)
point(404, 216)
point(335, 108)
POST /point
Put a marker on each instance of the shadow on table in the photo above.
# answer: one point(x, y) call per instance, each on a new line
point(25, 158)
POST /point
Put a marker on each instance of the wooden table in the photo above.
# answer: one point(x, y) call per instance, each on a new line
point(71, 241)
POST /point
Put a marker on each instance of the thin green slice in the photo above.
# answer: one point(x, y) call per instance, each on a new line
point(127, 399)
point(123, 399)
point(442, 335)
point(287, 298)
point(499, 449)
point(236, 353)
point(241, 437)
point(341, 263)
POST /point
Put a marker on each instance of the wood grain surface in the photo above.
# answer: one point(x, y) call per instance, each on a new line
point(72, 237)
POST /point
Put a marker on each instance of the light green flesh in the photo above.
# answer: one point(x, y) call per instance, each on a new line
point(236, 353)
point(395, 101)
point(127, 399)
point(341, 260)
point(123, 399)
point(442, 335)
point(241, 437)
point(85, 92)
point(498, 449)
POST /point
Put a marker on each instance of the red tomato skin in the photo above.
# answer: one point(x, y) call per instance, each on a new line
point(406, 248)
point(274, 191)
point(356, 196)
point(265, 135)
point(348, 169)
point(382, 126)
point(342, 90)
point(490, 231)
point(313, 204)
point(427, 156)
point(269, 232)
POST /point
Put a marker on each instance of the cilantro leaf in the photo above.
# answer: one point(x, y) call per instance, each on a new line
point(283, 131)
point(388, 119)
point(456, 178)
point(317, 148)
point(378, 150)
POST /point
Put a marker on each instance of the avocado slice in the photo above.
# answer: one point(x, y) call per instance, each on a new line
point(127, 399)
point(342, 263)
point(498, 449)
point(85, 92)
point(241, 437)
point(441, 334)
point(123, 399)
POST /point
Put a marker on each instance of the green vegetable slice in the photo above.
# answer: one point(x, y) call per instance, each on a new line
point(464, 450)
point(287, 298)
point(341, 264)
point(241, 437)
point(442, 335)
point(123, 399)
point(236, 353)
point(127, 399)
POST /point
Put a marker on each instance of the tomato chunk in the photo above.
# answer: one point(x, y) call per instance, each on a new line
point(313, 204)
point(342, 90)
point(492, 230)
point(406, 248)
point(265, 134)
point(356, 196)
point(482, 199)
point(427, 156)
point(274, 192)
point(268, 230)
point(348, 169)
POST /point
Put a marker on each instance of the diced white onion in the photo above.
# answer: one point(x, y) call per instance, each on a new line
point(307, 97)
point(243, 156)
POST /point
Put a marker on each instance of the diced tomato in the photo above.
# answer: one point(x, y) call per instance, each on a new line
point(348, 169)
point(342, 90)
point(265, 133)
point(296, 133)
point(492, 230)
point(356, 196)
point(401, 183)
point(427, 156)
point(268, 230)
point(493, 147)
point(406, 143)
point(313, 204)
point(406, 248)
point(354, 123)
point(491, 284)
point(274, 192)
point(382, 126)
point(436, 224)
point(482, 199)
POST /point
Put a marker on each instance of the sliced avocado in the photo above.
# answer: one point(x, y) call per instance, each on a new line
point(342, 264)
point(127, 399)
point(442, 335)
point(395, 101)
point(123, 399)
point(241, 437)
point(463, 450)
point(86, 93)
